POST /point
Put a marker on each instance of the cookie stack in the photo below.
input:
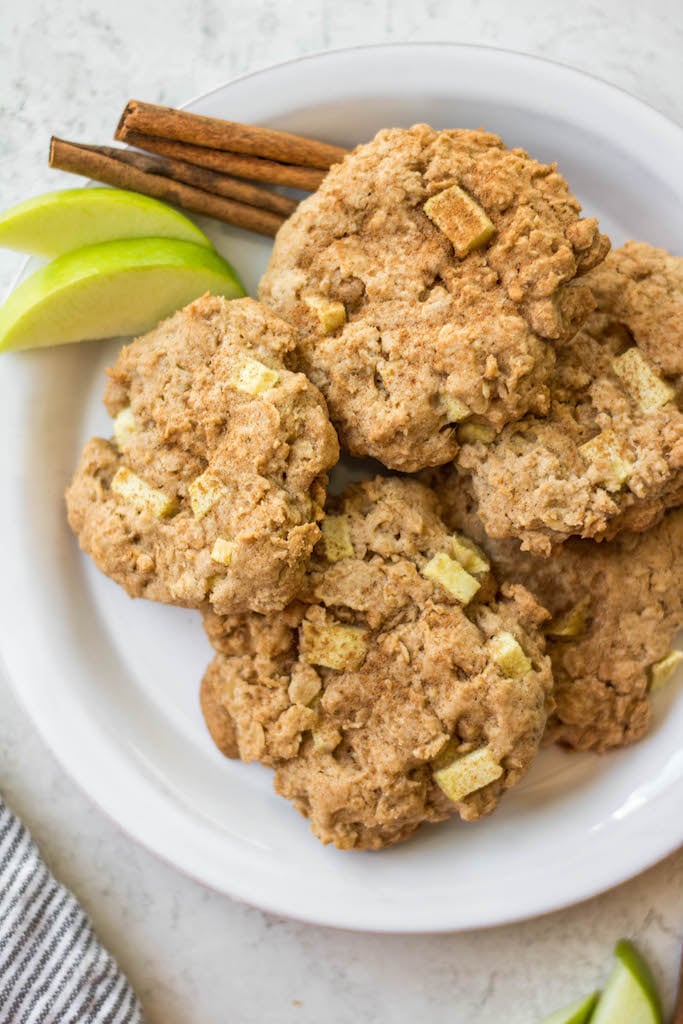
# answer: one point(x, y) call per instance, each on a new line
point(397, 653)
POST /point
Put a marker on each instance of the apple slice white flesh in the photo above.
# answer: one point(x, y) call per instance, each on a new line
point(58, 222)
point(111, 289)
point(576, 1013)
point(630, 995)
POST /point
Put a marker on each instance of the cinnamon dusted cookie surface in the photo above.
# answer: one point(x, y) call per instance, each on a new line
point(426, 275)
point(401, 688)
point(609, 454)
point(616, 608)
point(213, 485)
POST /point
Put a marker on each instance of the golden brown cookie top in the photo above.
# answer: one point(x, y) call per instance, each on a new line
point(401, 688)
point(609, 454)
point(616, 608)
point(425, 275)
point(213, 485)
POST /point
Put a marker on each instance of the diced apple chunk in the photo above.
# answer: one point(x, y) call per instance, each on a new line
point(254, 377)
point(473, 433)
point(326, 737)
point(469, 554)
point(132, 488)
point(222, 551)
point(509, 655)
point(571, 622)
point(124, 427)
point(662, 670)
point(455, 409)
point(605, 452)
point(640, 380)
point(461, 219)
point(450, 574)
point(204, 492)
point(331, 314)
point(468, 773)
point(305, 684)
point(337, 646)
point(336, 538)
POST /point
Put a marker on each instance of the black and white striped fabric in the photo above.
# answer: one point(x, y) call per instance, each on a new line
point(52, 968)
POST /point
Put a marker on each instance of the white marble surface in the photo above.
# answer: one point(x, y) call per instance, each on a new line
point(67, 69)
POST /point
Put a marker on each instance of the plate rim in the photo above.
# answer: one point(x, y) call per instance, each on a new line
point(396, 44)
point(133, 825)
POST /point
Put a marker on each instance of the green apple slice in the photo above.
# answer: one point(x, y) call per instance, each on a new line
point(576, 1013)
point(59, 222)
point(111, 289)
point(630, 994)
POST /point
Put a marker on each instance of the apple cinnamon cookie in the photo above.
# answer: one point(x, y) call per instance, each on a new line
point(426, 276)
point(616, 608)
point(609, 454)
point(400, 688)
point(213, 485)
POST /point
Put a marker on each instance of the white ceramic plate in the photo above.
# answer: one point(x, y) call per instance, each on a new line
point(112, 684)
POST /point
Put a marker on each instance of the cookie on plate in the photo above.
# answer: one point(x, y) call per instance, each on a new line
point(426, 275)
point(213, 485)
point(400, 688)
point(616, 608)
point(609, 454)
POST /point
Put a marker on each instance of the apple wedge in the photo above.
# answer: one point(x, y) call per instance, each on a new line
point(114, 288)
point(630, 993)
point(576, 1013)
point(57, 222)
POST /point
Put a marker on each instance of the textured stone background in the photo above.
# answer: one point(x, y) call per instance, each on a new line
point(67, 69)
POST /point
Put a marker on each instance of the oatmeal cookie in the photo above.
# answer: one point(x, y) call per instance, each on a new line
point(425, 275)
point(213, 485)
point(609, 455)
point(616, 608)
point(399, 689)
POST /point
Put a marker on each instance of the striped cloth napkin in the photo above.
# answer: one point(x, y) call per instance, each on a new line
point(52, 968)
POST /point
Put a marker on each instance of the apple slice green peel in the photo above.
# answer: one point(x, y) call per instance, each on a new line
point(630, 995)
point(57, 222)
point(576, 1013)
point(114, 288)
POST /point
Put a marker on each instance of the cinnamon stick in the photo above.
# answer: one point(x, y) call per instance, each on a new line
point(103, 164)
point(251, 167)
point(200, 177)
point(215, 133)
